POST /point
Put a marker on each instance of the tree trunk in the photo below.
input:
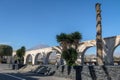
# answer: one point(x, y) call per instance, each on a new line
point(0, 59)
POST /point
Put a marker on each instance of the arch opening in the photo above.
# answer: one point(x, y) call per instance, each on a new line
point(53, 58)
point(116, 55)
point(90, 56)
point(39, 59)
point(29, 59)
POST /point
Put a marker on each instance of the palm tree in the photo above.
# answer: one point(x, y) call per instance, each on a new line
point(67, 41)
point(62, 39)
point(76, 36)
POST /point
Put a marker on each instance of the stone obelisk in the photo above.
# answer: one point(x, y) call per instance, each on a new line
point(99, 44)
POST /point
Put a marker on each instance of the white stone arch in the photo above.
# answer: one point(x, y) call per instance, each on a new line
point(117, 43)
point(38, 59)
point(46, 57)
point(58, 49)
point(29, 59)
point(110, 44)
point(116, 58)
point(52, 58)
point(91, 60)
point(83, 47)
point(48, 54)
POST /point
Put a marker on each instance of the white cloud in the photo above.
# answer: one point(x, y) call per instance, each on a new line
point(7, 43)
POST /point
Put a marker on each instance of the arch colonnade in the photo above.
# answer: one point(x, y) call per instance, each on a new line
point(43, 55)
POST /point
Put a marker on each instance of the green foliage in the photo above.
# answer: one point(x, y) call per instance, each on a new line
point(76, 35)
point(6, 50)
point(70, 56)
point(20, 54)
point(69, 38)
point(69, 44)
point(61, 37)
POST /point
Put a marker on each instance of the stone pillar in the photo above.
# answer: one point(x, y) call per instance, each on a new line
point(25, 59)
point(99, 36)
point(45, 59)
point(109, 46)
point(33, 60)
point(82, 59)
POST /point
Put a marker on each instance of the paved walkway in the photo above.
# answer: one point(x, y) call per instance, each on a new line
point(41, 77)
point(4, 68)
point(52, 78)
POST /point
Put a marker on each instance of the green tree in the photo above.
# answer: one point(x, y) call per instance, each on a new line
point(70, 55)
point(20, 54)
point(76, 37)
point(69, 44)
point(5, 50)
point(62, 39)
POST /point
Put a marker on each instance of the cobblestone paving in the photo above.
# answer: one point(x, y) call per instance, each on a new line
point(52, 78)
point(41, 77)
point(4, 68)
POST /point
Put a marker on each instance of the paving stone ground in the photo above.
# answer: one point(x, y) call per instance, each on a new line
point(52, 78)
point(5, 69)
point(41, 77)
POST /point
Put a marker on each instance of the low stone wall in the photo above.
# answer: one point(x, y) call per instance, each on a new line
point(66, 72)
point(88, 72)
point(83, 72)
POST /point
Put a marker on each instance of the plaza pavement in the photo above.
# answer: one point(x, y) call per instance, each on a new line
point(6, 69)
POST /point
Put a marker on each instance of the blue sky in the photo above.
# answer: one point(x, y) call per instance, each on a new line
point(34, 22)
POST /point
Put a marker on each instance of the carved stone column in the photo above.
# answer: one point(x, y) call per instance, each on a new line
point(99, 36)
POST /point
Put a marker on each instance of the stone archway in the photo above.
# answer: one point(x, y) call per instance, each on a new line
point(52, 57)
point(90, 57)
point(116, 58)
point(29, 59)
point(83, 54)
point(38, 59)
point(83, 48)
point(48, 58)
point(110, 44)
point(116, 55)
